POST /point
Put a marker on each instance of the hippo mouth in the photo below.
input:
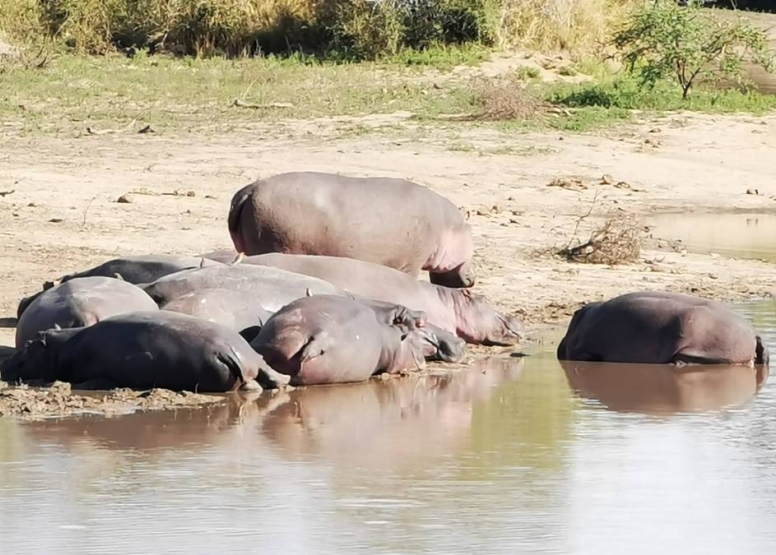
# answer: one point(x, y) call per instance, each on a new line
point(510, 333)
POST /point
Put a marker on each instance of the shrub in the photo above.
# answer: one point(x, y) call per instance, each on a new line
point(665, 39)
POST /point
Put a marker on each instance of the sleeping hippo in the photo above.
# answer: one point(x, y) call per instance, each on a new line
point(132, 269)
point(661, 328)
point(144, 350)
point(223, 306)
point(383, 220)
point(80, 302)
point(326, 339)
point(456, 311)
point(269, 288)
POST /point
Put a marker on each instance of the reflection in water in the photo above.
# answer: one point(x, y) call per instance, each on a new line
point(502, 457)
point(665, 389)
point(730, 235)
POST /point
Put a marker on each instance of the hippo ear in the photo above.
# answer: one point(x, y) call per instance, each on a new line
point(466, 293)
point(202, 262)
point(48, 285)
point(309, 292)
point(467, 215)
point(118, 276)
point(57, 327)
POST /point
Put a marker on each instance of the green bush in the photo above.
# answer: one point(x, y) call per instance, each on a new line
point(663, 39)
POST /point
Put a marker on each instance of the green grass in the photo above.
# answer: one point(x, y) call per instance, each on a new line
point(188, 94)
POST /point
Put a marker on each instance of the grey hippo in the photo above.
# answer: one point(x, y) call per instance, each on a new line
point(132, 269)
point(80, 302)
point(326, 339)
point(387, 221)
point(457, 311)
point(144, 350)
point(660, 328)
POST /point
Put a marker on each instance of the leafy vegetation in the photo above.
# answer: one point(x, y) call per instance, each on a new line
point(687, 43)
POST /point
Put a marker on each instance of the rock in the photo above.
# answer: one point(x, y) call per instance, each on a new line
point(124, 199)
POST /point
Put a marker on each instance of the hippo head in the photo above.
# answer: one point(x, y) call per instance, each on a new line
point(460, 276)
point(29, 363)
point(479, 322)
point(441, 345)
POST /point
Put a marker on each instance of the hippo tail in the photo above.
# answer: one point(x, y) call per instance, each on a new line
point(762, 355)
point(234, 220)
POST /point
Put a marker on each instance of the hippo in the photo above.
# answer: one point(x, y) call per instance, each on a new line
point(144, 350)
point(269, 288)
point(226, 307)
point(661, 328)
point(132, 269)
point(457, 311)
point(387, 221)
point(78, 303)
point(326, 339)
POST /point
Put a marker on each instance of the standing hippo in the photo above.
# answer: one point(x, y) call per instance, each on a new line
point(661, 328)
point(269, 288)
point(456, 311)
point(80, 302)
point(223, 306)
point(383, 220)
point(329, 339)
point(144, 350)
point(132, 269)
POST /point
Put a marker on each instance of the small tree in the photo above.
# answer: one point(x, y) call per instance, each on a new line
point(662, 38)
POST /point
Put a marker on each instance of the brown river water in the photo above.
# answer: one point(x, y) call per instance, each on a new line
point(501, 458)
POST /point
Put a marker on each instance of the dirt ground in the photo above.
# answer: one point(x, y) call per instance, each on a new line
point(59, 209)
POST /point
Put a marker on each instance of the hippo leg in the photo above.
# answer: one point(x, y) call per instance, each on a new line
point(462, 276)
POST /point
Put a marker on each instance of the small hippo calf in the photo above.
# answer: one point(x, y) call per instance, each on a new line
point(457, 311)
point(80, 302)
point(145, 350)
point(327, 339)
point(660, 328)
point(383, 220)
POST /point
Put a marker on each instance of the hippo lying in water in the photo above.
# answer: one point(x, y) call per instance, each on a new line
point(144, 350)
point(456, 311)
point(329, 339)
point(132, 269)
point(80, 302)
point(660, 328)
point(383, 220)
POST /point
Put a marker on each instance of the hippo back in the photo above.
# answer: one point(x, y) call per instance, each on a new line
point(80, 302)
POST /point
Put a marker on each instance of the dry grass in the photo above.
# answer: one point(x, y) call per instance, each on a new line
point(237, 27)
point(577, 25)
point(504, 99)
point(617, 241)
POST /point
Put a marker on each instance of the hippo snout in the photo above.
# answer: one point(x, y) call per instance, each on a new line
point(510, 331)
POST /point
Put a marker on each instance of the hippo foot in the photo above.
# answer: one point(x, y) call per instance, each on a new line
point(251, 386)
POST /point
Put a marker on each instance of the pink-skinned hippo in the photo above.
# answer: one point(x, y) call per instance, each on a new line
point(457, 311)
point(326, 339)
point(145, 350)
point(132, 269)
point(661, 328)
point(80, 302)
point(387, 221)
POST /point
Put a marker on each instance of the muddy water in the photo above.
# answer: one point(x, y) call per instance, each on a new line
point(502, 458)
point(730, 235)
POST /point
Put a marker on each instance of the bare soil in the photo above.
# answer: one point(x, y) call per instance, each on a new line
point(528, 194)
